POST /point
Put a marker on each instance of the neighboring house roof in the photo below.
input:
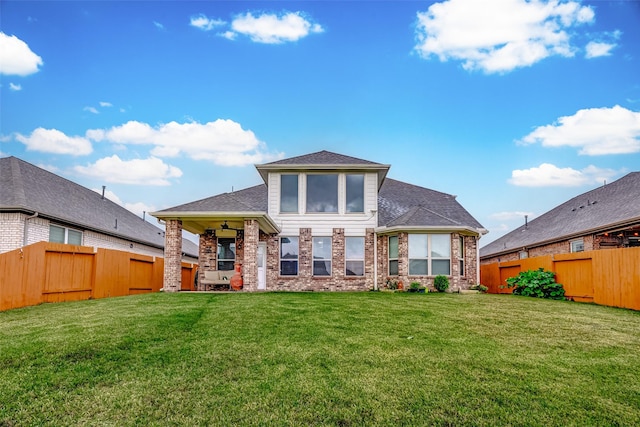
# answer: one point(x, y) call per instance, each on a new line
point(616, 204)
point(403, 205)
point(28, 188)
point(323, 160)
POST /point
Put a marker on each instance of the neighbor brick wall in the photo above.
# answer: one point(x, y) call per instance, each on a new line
point(11, 231)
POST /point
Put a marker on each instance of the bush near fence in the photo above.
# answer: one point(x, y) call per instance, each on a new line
point(55, 272)
point(607, 277)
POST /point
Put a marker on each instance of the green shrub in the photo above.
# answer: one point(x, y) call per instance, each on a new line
point(441, 283)
point(536, 283)
point(479, 287)
point(415, 285)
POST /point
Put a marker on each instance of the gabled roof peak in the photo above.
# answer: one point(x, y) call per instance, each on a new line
point(323, 157)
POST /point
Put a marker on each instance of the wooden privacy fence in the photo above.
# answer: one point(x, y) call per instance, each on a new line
point(55, 272)
point(607, 277)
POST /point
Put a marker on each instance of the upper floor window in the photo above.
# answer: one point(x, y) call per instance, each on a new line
point(289, 256)
point(289, 193)
point(429, 254)
point(226, 253)
point(355, 193)
point(322, 193)
point(322, 256)
point(393, 255)
point(577, 245)
point(59, 234)
point(354, 256)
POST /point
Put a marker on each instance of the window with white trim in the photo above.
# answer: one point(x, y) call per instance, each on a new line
point(322, 256)
point(393, 255)
point(355, 193)
point(322, 193)
point(354, 256)
point(226, 253)
point(58, 234)
point(289, 256)
point(429, 254)
point(577, 245)
point(288, 193)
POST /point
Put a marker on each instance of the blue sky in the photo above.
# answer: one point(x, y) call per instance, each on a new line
point(513, 106)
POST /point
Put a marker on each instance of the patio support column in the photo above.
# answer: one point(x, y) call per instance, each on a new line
point(173, 255)
point(250, 264)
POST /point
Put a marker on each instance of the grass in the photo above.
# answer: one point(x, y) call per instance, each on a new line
point(324, 359)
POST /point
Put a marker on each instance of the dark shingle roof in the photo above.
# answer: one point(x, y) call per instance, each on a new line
point(606, 206)
point(252, 199)
point(323, 158)
point(402, 204)
point(25, 187)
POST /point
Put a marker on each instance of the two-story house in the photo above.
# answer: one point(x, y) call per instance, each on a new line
point(326, 221)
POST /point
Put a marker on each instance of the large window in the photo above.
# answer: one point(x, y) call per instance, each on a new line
point(289, 193)
point(288, 256)
point(355, 193)
point(59, 234)
point(354, 256)
point(429, 254)
point(226, 253)
point(322, 193)
point(322, 256)
point(393, 255)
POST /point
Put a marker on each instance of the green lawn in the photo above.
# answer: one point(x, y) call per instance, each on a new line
point(335, 359)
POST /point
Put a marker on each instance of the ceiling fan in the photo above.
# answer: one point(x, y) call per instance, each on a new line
point(223, 226)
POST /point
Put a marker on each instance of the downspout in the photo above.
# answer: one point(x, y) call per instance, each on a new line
point(478, 281)
point(25, 234)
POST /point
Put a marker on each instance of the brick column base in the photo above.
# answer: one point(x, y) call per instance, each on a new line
point(173, 256)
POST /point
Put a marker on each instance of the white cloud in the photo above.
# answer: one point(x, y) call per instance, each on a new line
point(54, 141)
point(548, 175)
point(91, 110)
point(272, 28)
point(158, 25)
point(222, 142)
point(507, 216)
point(15, 87)
point(151, 171)
point(596, 49)
point(105, 104)
point(16, 57)
point(500, 35)
point(595, 131)
point(204, 23)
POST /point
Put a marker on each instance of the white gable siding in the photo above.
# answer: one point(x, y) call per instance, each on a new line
point(322, 224)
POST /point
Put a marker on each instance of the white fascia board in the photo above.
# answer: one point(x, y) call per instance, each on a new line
point(266, 222)
point(425, 229)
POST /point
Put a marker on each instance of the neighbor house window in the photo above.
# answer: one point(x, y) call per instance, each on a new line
point(289, 193)
point(461, 255)
point(354, 256)
point(355, 193)
point(577, 245)
point(429, 254)
point(393, 255)
point(322, 193)
point(322, 256)
point(288, 256)
point(59, 234)
point(226, 253)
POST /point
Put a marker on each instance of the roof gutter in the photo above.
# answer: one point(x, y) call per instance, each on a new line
point(417, 228)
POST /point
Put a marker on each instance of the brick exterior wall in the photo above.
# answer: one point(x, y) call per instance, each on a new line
point(250, 255)
point(173, 256)
point(12, 231)
point(305, 280)
point(456, 281)
point(591, 243)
